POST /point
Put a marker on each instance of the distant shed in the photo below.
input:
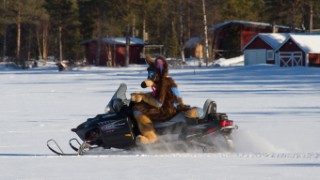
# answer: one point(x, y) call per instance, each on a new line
point(194, 47)
point(261, 48)
point(299, 50)
point(112, 51)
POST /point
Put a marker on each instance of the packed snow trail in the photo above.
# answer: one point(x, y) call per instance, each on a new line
point(277, 110)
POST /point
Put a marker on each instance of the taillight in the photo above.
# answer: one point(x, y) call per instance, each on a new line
point(225, 123)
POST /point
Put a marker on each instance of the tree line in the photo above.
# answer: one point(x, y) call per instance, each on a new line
point(36, 29)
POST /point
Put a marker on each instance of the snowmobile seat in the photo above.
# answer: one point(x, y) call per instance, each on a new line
point(209, 107)
point(179, 118)
point(196, 114)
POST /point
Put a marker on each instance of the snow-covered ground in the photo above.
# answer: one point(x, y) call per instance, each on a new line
point(236, 61)
point(277, 110)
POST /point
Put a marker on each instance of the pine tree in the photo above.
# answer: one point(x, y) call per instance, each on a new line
point(64, 22)
point(168, 22)
point(172, 42)
point(284, 12)
point(4, 22)
point(248, 10)
point(24, 14)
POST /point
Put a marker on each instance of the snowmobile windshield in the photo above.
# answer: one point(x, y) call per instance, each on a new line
point(118, 100)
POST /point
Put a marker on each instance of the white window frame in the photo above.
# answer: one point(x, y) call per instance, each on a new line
point(270, 55)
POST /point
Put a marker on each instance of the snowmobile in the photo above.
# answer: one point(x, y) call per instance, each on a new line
point(117, 129)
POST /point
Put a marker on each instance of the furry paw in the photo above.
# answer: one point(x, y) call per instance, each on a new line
point(142, 140)
point(136, 97)
point(193, 113)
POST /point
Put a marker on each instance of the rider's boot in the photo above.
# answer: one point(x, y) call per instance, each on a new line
point(148, 133)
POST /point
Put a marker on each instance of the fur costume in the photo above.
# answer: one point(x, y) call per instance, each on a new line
point(160, 105)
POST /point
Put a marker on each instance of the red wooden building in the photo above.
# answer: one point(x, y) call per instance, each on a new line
point(261, 48)
point(283, 49)
point(112, 51)
point(228, 38)
point(299, 50)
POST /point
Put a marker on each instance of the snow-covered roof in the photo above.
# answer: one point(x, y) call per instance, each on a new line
point(117, 41)
point(273, 39)
point(246, 23)
point(122, 41)
point(309, 43)
point(192, 42)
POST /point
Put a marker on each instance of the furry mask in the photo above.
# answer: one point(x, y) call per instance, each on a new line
point(157, 70)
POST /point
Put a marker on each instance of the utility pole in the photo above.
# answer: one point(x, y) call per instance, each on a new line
point(18, 33)
point(127, 56)
point(205, 32)
point(60, 44)
point(310, 16)
point(5, 34)
point(181, 46)
point(99, 39)
point(134, 26)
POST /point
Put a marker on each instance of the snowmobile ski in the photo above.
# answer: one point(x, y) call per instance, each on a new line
point(72, 144)
point(81, 150)
point(58, 150)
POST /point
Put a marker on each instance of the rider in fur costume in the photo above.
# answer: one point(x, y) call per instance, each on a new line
point(160, 105)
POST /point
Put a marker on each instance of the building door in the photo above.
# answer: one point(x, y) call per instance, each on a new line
point(289, 59)
point(256, 56)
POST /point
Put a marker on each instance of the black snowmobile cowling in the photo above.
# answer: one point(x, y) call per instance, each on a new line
point(107, 130)
point(116, 128)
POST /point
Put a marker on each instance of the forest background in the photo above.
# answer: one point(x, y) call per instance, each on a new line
point(37, 29)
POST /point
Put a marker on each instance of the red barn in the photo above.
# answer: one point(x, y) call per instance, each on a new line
point(261, 48)
point(112, 51)
point(228, 38)
point(299, 50)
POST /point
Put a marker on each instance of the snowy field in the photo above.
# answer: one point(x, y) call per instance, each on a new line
point(277, 110)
